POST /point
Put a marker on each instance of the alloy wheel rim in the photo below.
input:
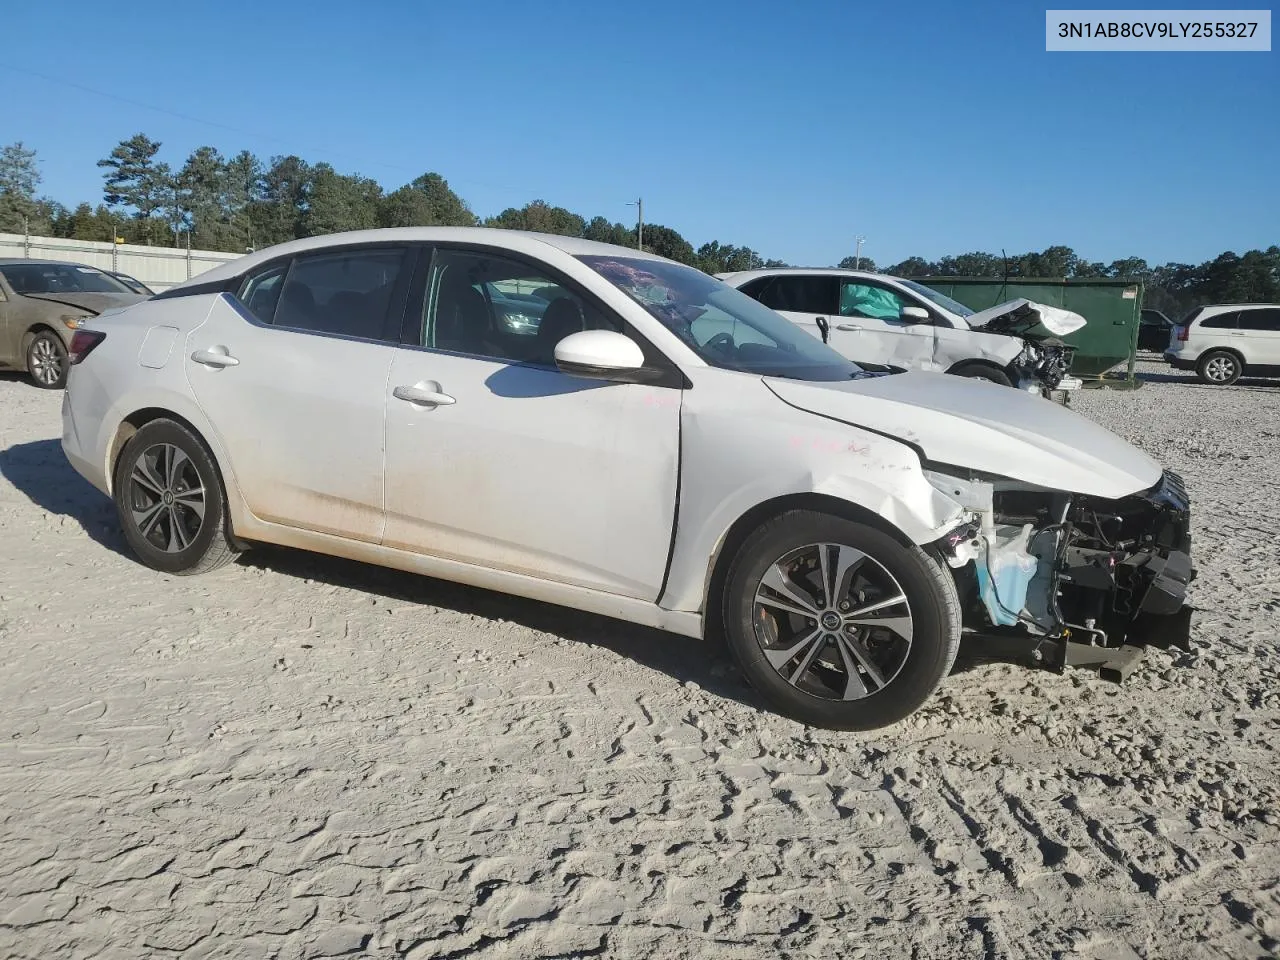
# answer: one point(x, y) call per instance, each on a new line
point(166, 498)
point(1220, 369)
point(832, 621)
point(46, 365)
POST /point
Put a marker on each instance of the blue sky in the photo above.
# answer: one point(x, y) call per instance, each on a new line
point(929, 128)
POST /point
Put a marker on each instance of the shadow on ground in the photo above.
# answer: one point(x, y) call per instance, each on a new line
point(1191, 380)
point(705, 662)
point(40, 471)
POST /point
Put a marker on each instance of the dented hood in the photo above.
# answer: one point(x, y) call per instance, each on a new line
point(1026, 318)
point(983, 426)
point(93, 302)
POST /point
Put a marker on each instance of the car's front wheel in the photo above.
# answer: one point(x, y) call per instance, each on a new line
point(1219, 367)
point(170, 500)
point(47, 360)
point(983, 371)
point(837, 624)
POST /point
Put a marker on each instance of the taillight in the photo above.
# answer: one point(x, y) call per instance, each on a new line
point(1184, 333)
point(82, 344)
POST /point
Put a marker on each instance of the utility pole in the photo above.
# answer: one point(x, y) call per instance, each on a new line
point(639, 205)
point(857, 256)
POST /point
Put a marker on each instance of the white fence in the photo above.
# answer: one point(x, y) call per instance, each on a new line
point(158, 267)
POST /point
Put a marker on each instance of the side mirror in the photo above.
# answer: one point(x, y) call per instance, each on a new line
point(600, 355)
point(914, 315)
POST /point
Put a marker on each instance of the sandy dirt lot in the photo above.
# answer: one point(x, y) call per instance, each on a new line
point(300, 757)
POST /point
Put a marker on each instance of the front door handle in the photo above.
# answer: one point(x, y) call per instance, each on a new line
point(847, 326)
point(425, 393)
point(215, 357)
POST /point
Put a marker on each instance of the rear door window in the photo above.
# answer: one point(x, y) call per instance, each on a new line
point(799, 294)
point(348, 293)
point(1220, 321)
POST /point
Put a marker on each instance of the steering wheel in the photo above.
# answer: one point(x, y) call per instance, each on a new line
point(722, 342)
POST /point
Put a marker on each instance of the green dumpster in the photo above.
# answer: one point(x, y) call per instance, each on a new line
point(1111, 307)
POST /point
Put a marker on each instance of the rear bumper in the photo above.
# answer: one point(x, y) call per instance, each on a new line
point(74, 449)
point(1179, 362)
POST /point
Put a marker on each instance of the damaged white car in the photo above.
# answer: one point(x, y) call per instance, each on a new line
point(660, 448)
point(875, 319)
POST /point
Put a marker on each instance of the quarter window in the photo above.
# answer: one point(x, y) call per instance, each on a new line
point(502, 309)
point(1264, 319)
point(261, 292)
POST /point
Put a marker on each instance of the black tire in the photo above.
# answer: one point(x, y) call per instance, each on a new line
point(183, 534)
point(1219, 368)
point(47, 363)
point(904, 678)
point(982, 371)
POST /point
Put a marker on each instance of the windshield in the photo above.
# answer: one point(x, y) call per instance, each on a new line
point(137, 286)
point(723, 326)
point(941, 299)
point(55, 278)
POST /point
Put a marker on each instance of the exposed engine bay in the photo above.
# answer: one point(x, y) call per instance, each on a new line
point(1045, 359)
point(1045, 362)
point(1062, 579)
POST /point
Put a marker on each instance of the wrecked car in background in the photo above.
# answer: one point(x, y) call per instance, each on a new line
point(661, 449)
point(42, 304)
point(873, 318)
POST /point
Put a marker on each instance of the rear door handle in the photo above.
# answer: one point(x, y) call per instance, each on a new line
point(847, 326)
point(215, 357)
point(424, 393)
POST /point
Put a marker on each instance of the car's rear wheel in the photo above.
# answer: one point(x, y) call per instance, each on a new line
point(47, 360)
point(983, 371)
point(837, 624)
point(1219, 367)
point(170, 500)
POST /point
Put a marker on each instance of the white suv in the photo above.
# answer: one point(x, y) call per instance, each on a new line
point(877, 319)
point(1221, 342)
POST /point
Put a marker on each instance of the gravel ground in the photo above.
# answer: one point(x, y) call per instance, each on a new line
point(302, 757)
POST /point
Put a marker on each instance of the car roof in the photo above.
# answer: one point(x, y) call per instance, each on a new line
point(18, 261)
point(520, 241)
point(808, 271)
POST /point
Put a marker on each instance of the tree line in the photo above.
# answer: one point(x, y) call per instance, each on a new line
point(240, 202)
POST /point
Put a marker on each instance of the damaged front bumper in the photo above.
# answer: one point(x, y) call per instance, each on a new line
point(1091, 582)
point(1042, 368)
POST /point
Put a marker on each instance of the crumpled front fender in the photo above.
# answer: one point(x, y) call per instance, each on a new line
point(790, 453)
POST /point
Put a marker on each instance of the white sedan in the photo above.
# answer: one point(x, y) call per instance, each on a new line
point(874, 318)
point(600, 428)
